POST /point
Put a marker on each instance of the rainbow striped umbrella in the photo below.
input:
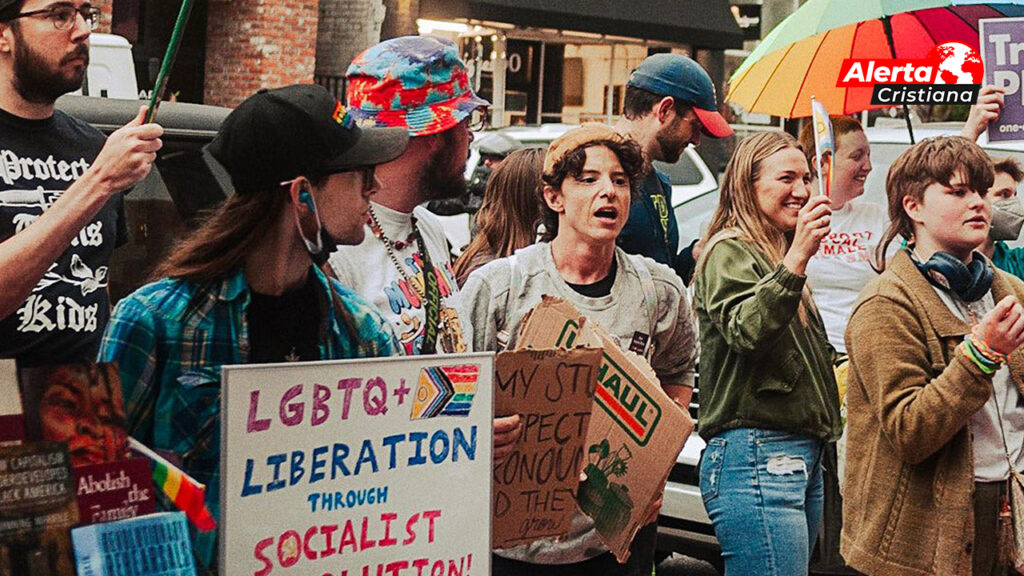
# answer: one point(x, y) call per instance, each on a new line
point(801, 57)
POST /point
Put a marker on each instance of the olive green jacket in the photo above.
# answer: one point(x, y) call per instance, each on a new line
point(907, 499)
point(760, 366)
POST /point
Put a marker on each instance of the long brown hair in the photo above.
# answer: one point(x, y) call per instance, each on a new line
point(220, 245)
point(508, 216)
point(739, 215)
point(923, 164)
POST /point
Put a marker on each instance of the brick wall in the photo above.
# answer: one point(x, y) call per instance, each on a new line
point(107, 6)
point(253, 44)
point(347, 27)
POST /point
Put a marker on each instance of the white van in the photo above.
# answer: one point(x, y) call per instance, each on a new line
point(111, 71)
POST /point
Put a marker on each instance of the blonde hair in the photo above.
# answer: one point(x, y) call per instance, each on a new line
point(739, 215)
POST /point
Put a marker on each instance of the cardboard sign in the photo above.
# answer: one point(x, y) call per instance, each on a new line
point(636, 431)
point(358, 466)
point(154, 545)
point(114, 490)
point(1000, 40)
point(535, 486)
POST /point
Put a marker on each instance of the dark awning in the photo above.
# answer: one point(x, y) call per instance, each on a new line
point(700, 23)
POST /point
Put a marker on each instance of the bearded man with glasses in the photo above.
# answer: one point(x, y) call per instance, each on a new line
point(61, 210)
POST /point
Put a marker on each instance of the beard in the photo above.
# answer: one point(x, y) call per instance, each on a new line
point(37, 83)
point(671, 148)
point(443, 177)
point(671, 142)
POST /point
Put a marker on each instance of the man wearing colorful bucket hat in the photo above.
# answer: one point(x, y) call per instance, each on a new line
point(670, 101)
point(404, 266)
point(247, 287)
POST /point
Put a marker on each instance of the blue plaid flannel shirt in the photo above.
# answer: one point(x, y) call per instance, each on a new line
point(170, 339)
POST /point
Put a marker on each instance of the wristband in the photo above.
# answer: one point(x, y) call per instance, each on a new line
point(982, 348)
point(984, 364)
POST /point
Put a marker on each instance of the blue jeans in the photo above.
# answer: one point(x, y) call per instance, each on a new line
point(764, 492)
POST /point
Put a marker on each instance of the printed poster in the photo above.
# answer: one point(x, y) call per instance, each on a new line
point(358, 467)
point(1001, 40)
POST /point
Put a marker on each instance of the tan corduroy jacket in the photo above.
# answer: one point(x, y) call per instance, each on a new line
point(907, 507)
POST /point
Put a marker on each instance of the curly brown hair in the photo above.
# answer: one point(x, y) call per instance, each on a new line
point(630, 155)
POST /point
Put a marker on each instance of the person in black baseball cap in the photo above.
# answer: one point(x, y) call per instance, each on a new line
point(300, 134)
point(245, 287)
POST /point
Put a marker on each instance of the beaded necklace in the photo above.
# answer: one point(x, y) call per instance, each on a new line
point(431, 295)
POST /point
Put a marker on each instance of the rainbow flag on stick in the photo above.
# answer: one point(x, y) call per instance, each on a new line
point(824, 146)
point(187, 495)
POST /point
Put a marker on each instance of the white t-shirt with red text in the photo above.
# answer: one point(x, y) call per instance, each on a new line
point(842, 266)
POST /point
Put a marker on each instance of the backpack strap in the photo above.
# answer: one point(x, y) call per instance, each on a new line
point(650, 294)
point(503, 336)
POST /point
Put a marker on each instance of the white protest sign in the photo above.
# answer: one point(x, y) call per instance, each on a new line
point(375, 467)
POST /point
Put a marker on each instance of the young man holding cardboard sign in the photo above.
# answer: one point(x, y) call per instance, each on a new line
point(590, 174)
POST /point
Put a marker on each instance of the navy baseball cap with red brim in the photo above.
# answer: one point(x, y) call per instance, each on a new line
point(685, 80)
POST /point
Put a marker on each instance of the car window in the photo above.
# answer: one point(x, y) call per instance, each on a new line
point(682, 173)
point(694, 214)
point(162, 208)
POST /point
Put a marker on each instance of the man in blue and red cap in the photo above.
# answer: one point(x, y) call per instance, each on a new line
point(670, 101)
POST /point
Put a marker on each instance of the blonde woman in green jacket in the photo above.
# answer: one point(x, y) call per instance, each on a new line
point(768, 396)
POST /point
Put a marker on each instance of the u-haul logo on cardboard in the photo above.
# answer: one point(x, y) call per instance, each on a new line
point(618, 394)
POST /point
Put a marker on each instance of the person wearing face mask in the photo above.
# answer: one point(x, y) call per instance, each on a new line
point(247, 286)
point(1007, 217)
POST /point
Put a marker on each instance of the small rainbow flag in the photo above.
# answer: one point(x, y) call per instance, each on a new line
point(824, 145)
point(186, 493)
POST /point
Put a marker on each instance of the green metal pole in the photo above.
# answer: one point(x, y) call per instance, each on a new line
point(169, 56)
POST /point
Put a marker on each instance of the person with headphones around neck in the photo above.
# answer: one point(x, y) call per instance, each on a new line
point(935, 401)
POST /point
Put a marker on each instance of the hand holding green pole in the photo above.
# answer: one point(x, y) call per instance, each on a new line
point(169, 56)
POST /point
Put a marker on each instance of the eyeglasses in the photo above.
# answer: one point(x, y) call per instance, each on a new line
point(63, 15)
point(368, 173)
point(479, 119)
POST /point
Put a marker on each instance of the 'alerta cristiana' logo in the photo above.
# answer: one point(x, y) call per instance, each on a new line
point(951, 73)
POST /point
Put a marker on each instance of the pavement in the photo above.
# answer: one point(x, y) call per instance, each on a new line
point(679, 565)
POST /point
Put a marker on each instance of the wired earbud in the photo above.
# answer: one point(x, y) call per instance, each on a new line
point(307, 198)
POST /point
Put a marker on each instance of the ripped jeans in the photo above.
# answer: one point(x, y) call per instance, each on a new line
point(764, 492)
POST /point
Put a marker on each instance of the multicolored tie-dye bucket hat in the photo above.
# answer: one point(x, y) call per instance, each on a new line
point(414, 82)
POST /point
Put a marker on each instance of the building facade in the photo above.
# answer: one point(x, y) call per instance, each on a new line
point(545, 61)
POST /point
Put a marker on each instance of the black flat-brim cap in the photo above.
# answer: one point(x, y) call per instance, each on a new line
point(8, 8)
point(299, 130)
point(374, 146)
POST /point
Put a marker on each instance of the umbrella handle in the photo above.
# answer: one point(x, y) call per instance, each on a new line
point(887, 26)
